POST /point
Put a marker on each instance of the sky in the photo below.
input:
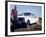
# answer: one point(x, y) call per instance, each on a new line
point(37, 10)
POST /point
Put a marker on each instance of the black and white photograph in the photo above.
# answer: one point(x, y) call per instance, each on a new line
point(25, 18)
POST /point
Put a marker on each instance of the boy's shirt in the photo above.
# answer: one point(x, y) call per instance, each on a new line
point(14, 12)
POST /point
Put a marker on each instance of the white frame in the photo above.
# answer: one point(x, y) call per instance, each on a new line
point(27, 32)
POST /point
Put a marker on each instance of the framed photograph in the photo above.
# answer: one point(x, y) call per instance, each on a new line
point(24, 18)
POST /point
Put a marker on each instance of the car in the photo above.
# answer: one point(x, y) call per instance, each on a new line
point(29, 16)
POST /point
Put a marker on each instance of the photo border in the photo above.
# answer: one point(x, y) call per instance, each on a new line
point(6, 17)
